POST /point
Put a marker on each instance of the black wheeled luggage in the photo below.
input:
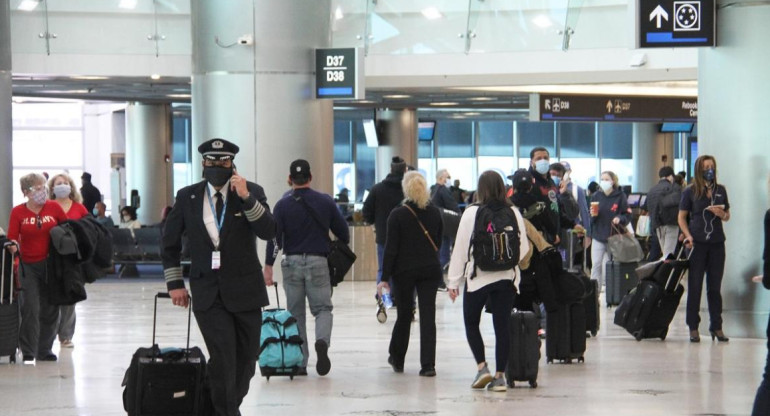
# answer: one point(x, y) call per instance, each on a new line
point(571, 248)
point(565, 336)
point(591, 304)
point(620, 278)
point(524, 358)
point(169, 381)
point(9, 305)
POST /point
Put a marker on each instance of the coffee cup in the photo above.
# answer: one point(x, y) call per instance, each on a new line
point(594, 209)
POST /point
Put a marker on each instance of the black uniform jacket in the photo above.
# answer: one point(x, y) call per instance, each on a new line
point(239, 281)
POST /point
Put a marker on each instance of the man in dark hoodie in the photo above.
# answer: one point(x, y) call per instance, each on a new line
point(545, 191)
point(382, 198)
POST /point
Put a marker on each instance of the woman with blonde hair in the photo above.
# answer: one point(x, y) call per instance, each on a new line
point(63, 190)
point(411, 259)
point(609, 209)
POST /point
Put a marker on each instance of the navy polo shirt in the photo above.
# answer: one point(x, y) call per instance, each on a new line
point(705, 227)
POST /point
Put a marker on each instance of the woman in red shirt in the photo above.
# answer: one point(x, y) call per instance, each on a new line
point(29, 225)
point(63, 190)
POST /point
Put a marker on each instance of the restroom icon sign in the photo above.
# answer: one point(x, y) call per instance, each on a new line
point(686, 16)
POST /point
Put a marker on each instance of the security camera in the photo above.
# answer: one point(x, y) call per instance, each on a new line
point(246, 40)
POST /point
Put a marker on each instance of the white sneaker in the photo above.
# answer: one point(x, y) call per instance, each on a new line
point(67, 344)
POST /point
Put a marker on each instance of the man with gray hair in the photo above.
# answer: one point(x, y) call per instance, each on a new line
point(662, 203)
point(441, 197)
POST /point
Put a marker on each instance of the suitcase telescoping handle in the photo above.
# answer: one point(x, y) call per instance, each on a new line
point(155, 315)
point(277, 298)
point(6, 252)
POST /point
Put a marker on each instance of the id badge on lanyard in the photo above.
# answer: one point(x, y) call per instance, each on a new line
point(216, 260)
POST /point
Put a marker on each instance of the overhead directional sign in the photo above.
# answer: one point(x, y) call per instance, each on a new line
point(669, 23)
point(339, 73)
point(564, 107)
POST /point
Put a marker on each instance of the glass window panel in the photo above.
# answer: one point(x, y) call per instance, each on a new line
point(616, 140)
point(342, 148)
point(62, 148)
point(624, 168)
point(583, 170)
point(343, 178)
point(500, 164)
point(425, 149)
point(455, 138)
point(495, 138)
point(365, 162)
point(577, 140)
point(534, 134)
point(59, 115)
point(425, 167)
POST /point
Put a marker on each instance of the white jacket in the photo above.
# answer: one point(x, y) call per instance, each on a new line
point(461, 265)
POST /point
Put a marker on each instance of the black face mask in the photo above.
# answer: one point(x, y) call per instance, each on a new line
point(217, 175)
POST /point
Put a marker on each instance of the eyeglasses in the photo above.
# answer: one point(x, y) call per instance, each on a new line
point(39, 222)
point(36, 188)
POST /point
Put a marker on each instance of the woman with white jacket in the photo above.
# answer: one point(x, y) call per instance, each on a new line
point(480, 286)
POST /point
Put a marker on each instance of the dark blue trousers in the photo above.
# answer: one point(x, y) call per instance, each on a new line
point(762, 400)
point(707, 260)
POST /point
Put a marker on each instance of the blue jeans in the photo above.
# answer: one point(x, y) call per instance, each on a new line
point(307, 276)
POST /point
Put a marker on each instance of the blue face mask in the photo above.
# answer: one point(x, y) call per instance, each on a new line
point(708, 175)
point(542, 165)
point(95, 212)
point(556, 180)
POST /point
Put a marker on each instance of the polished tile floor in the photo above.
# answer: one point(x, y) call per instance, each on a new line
point(620, 376)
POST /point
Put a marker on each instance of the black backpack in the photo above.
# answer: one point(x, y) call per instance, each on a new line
point(495, 242)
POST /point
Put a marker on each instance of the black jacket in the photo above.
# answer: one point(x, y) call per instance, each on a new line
point(407, 247)
point(91, 196)
point(662, 203)
point(766, 255)
point(441, 197)
point(239, 282)
point(610, 206)
point(383, 197)
point(72, 245)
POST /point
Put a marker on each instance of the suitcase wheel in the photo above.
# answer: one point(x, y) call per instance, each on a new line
point(638, 335)
point(593, 333)
point(511, 384)
point(549, 360)
point(267, 377)
point(291, 377)
point(581, 359)
point(12, 359)
point(588, 335)
point(533, 384)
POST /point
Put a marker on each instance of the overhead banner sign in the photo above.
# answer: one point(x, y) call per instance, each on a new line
point(669, 23)
point(630, 109)
point(339, 73)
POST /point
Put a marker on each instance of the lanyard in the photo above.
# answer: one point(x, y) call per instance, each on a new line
point(217, 221)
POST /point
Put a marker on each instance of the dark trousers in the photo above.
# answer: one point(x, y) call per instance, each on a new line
point(232, 339)
point(500, 296)
point(425, 281)
point(39, 318)
point(707, 259)
point(762, 399)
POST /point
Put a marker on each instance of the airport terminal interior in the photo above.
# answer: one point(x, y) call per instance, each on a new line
point(126, 90)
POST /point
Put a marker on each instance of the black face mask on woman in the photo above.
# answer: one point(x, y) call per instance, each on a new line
point(217, 175)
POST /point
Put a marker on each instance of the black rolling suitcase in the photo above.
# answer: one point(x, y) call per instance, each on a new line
point(9, 305)
point(620, 278)
point(591, 304)
point(169, 381)
point(570, 253)
point(565, 336)
point(524, 358)
point(647, 311)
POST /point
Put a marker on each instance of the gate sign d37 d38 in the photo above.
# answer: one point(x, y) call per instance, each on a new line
point(681, 23)
point(339, 73)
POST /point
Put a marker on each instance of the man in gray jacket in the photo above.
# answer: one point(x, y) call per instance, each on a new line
point(662, 204)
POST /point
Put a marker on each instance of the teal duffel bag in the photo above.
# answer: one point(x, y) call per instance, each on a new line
point(280, 352)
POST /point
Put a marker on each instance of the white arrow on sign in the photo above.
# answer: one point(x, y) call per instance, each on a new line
point(659, 13)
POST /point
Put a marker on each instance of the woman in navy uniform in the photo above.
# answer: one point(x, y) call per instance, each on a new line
point(221, 216)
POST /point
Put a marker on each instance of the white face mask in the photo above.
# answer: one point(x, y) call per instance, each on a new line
point(62, 190)
point(606, 185)
point(542, 165)
point(126, 218)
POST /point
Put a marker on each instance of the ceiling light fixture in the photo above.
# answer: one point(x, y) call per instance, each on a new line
point(444, 103)
point(542, 21)
point(482, 99)
point(432, 13)
point(178, 95)
point(89, 77)
point(155, 76)
point(127, 4)
point(28, 5)
point(396, 96)
point(338, 13)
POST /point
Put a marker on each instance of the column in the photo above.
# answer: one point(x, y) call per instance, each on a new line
point(732, 127)
point(260, 96)
point(148, 159)
point(6, 126)
point(398, 137)
point(649, 148)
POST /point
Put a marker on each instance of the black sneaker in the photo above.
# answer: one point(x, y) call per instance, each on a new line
point(48, 357)
point(428, 372)
point(398, 368)
point(28, 360)
point(323, 365)
point(442, 286)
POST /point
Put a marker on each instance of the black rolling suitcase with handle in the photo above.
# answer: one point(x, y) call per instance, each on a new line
point(524, 358)
point(647, 311)
point(620, 278)
point(591, 304)
point(565, 336)
point(9, 305)
point(169, 381)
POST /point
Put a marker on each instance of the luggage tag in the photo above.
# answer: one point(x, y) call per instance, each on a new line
point(216, 260)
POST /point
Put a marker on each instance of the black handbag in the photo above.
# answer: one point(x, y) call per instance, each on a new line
point(340, 258)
